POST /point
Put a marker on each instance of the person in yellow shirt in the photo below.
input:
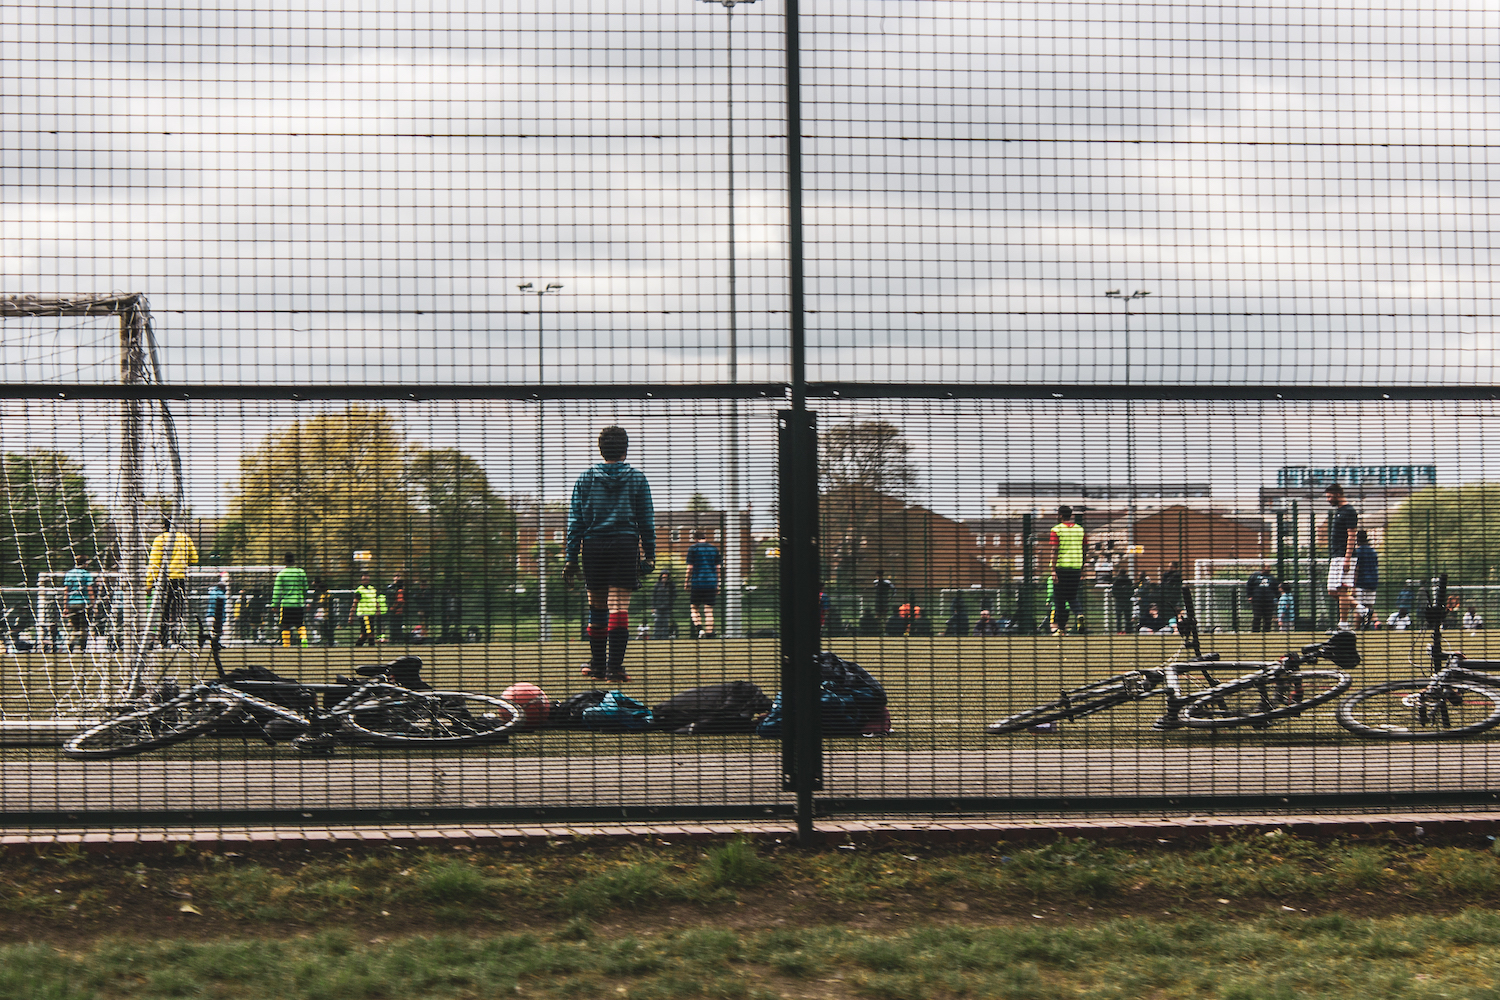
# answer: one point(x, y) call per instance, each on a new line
point(1067, 568)
point(172, 552)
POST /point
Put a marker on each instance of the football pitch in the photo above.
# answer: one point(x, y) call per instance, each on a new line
point(942, 691)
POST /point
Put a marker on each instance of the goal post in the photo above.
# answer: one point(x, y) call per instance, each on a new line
point(84, 478)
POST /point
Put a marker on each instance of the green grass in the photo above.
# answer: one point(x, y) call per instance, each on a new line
point(943, 691)
point(1247, 916)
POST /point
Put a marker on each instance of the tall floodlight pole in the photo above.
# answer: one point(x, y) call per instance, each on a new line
point(1125, 300)
point(544, 622)
point(733, 570)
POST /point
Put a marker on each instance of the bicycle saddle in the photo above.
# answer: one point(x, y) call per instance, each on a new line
point(400, 664)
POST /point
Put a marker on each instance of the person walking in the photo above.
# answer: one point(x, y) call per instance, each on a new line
point(172, 553)
point(365, 611)
point(1366, 579)
point(1342, 536)
point(289, 601)
point(322, 605)
point(703, 560)
point(78, 591)
point(1260, 594)
point(612, 536)
point(1068, 540)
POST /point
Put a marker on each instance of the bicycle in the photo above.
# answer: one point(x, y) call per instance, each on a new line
point(1459, 698)
point(389, 706)
point(1269, 692)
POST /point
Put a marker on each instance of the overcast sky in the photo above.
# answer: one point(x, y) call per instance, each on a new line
point(353, 195)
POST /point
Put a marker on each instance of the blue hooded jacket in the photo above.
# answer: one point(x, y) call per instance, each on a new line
point(611, 498)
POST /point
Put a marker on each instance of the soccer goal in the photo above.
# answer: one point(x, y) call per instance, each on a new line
point(87, 479)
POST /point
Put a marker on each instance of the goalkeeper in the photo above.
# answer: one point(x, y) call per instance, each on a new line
point(612, 530)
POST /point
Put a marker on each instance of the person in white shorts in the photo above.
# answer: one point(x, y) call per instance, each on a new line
point(1341, 536)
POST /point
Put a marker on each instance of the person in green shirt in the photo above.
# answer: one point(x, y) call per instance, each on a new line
point(289, 598)
point(1067, 569)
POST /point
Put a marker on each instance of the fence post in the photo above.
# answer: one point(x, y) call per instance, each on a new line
point(801, 570)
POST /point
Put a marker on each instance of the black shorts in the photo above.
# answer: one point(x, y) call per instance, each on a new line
point(291, 617)
point(1065, 586)
point(703, 595)
point(611, 561)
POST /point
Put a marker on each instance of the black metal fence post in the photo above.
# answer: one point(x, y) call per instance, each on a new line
point(802, 736)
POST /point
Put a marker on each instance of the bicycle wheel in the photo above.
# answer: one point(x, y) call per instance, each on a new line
point(1421, 709)
point(1260, 699)
point(428, 717)
point(161, 725)
point(1079, 702)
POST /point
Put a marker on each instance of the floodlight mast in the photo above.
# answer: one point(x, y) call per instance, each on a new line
point(544, 621)
point(1130, 520)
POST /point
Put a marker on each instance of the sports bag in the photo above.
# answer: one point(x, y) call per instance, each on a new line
point(568, 714)
point(851, 701)
point(714, 708)
point(617, 711)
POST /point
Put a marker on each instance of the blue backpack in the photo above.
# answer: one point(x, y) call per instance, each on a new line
point(617, 711)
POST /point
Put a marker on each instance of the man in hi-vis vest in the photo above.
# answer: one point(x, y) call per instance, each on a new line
point(1067, 569)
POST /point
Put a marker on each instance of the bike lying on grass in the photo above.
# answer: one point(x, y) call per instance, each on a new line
point(387, 705)
point(1267, 693)
point(1460, 698)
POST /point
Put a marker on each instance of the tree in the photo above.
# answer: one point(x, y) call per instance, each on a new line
point(324, 487)
point(470, 531)
point(699, 503)
point(862, 468)
point(1450, 530)
point(47, 518)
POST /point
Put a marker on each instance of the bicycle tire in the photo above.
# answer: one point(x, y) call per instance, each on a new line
point(450, 718)
point(1259, 700)
point(1078, 702)
point(1420, 709)
point(152, 728)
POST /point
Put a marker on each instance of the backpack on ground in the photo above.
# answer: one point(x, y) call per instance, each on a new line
point(714, 708)
point(852, 702)
point(617, 710)
point(568, 714)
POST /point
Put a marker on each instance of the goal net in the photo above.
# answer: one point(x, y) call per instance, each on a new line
point(89, 473)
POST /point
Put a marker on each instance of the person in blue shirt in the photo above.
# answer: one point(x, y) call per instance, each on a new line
point(1286, 608)
point(218, 609)
point(703, 561)
point(612, 534)
point(78, 589)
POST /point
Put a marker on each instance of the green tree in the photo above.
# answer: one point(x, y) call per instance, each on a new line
point(47, 517)
point(323, 488)
point(470, 532)
point(698, 502)
point(1450, 530)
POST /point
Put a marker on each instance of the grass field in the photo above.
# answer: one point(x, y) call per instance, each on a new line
point(942, 691)
point(1250, 916)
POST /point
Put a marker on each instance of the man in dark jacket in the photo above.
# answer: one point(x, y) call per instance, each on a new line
point(612, 532)
point(1261, 593)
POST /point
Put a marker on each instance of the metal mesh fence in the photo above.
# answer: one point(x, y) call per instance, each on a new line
point(1176, 269)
